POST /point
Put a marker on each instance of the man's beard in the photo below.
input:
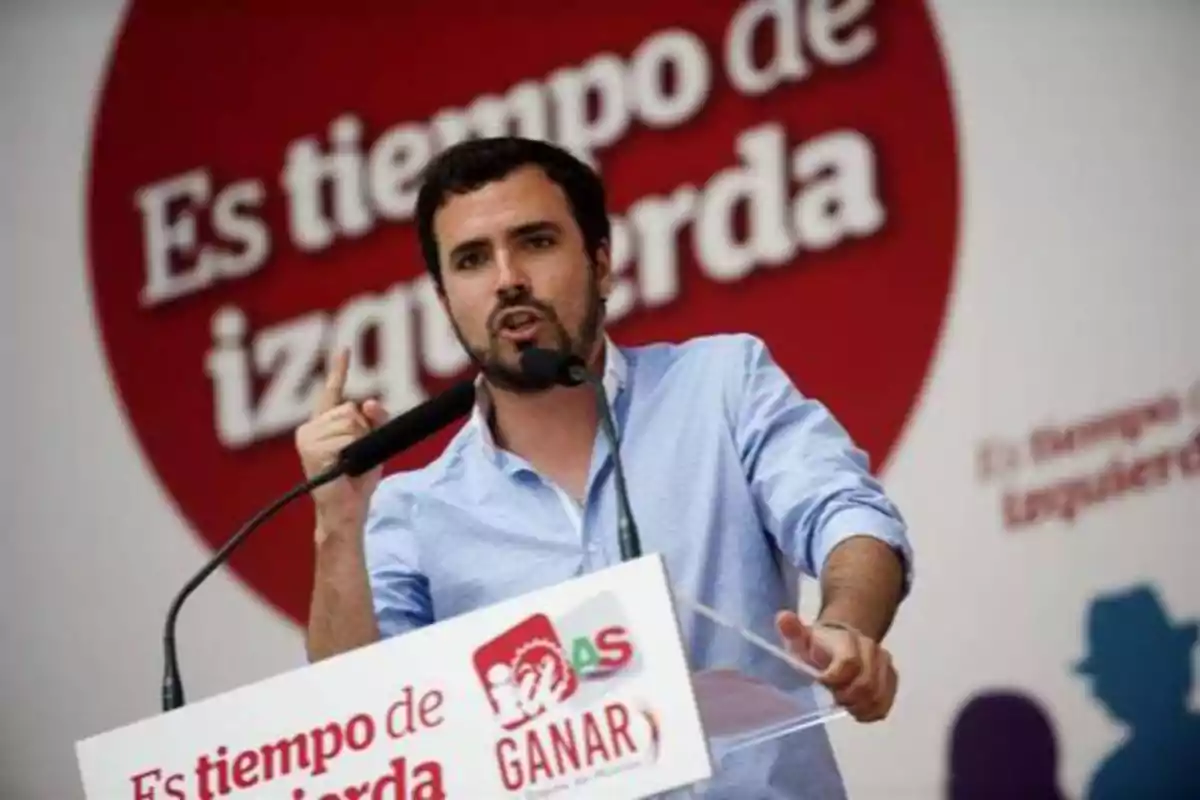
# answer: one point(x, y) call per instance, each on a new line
point(511, 378)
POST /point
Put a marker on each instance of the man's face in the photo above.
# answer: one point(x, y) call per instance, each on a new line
point(516, 272)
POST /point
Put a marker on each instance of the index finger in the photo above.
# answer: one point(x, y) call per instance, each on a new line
point(330, 395)
point(842, 669)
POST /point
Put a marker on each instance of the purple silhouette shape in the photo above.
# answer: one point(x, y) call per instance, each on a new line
point(1003, 745)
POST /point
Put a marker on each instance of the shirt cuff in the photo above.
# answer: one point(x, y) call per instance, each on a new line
point(864, 521)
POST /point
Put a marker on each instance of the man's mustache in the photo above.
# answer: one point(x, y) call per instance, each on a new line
point(525, 301)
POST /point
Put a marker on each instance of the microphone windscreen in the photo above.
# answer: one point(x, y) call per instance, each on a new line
point(407, 429)
point(549, 367)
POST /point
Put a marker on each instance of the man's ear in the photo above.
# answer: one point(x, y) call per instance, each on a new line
point(604, 273)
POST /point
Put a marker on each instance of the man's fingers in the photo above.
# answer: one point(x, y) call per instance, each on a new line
point(335, 382)
point(802, 642)
point(793, 631)
point(374, 412)
point(843, 669)
point(335, 441)
point(798, 639)
point(343, 417)
point(332, 431)
point(348, 411)
point(889, 680)
point(884, 697)
point(859, 690)
point(885, 677)
point(857, 672)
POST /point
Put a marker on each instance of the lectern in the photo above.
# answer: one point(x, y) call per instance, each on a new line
point(608, 686)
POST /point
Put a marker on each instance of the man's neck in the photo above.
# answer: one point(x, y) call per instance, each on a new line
point(548, 429)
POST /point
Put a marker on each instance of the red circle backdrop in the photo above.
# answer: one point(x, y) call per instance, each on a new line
point(229, 87)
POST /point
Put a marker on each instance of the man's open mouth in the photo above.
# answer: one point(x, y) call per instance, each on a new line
point(519, 324)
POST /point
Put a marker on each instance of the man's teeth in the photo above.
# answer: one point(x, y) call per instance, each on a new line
point(518, 321)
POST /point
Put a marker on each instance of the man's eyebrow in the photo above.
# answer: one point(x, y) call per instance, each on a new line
point(465, 247)
point(537, 226)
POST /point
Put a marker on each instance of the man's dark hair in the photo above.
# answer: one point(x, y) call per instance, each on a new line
point(468, 165)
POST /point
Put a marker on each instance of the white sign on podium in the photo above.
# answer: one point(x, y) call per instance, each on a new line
point(580, 690)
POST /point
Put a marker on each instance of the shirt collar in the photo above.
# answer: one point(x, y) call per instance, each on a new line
point(615, 368)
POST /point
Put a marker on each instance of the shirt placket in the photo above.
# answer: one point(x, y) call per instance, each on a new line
point(593, 555)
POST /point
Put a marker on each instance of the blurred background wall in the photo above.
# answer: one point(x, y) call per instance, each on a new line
point(970, 227)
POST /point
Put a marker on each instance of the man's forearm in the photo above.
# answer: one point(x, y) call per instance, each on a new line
point(342, 616)
point(862, 584)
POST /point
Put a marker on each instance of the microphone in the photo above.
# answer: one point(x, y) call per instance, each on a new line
point(402, 432)
point(360, 456)
point(551, 367)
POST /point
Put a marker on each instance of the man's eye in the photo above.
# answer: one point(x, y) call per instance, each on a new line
point(541, 240)
point(470, 261)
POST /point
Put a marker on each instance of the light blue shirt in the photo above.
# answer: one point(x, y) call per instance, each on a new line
point(734, 476)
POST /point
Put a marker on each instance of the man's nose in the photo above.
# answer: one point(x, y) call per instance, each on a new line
point(509, 274)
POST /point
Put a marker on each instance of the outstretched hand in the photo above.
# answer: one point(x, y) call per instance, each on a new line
point(856, 669)
point(334, 424)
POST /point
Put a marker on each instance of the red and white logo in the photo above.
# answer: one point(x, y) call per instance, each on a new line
point(783, 167)
point(564, 691)
point(525, 672)
point(539, 665)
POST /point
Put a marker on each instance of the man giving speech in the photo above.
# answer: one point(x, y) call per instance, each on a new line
point(734, 475)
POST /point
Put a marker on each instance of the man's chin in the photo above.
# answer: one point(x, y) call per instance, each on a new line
point(511, 347)
point(502, 367)
point(511, 378)
point(507, 351)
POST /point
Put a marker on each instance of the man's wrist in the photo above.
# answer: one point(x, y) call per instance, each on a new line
point(861, 586)
point(330, 532)
point(841, 626)
point(832, 618)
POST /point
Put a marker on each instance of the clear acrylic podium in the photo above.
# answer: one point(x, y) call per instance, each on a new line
point(685, 699)
point(750, 691)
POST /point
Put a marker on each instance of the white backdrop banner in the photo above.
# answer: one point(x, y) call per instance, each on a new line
point(968, 227)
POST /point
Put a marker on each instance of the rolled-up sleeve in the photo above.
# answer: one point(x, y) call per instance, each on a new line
point(399, 590)
point(811, 483)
